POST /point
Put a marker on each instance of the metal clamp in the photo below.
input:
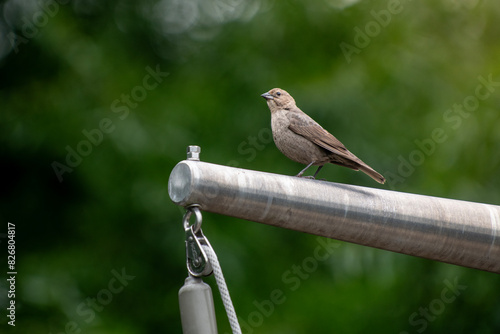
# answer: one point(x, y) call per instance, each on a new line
point(197, 261)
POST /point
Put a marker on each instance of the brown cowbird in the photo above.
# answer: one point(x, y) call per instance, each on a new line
point(303, 140)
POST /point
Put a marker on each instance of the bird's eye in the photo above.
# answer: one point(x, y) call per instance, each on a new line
point(278, 93)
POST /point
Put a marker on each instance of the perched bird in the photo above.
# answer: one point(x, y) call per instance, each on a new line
point(303, 140)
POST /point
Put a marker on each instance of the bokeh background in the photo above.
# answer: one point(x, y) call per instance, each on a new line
point(99, 101)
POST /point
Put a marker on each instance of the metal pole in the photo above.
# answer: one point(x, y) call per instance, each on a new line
point(446, 230)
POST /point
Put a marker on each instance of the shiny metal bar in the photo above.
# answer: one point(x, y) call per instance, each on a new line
point(446, 230)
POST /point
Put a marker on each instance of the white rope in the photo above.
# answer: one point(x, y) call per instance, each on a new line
point(224, 292)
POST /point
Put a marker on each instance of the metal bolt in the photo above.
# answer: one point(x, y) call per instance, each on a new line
point(193, 152)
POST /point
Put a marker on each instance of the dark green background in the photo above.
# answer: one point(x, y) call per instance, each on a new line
point(65, 67)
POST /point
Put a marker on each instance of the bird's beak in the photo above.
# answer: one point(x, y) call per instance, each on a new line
point(267, 96)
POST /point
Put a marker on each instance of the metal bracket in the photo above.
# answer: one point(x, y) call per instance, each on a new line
point(197, 261)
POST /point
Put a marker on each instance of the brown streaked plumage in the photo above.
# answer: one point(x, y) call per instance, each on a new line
point(303, 140)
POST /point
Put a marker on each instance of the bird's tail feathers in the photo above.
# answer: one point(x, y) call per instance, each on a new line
point(372, 173)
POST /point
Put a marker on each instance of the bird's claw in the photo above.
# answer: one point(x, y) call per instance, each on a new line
point(307, 177)
point(310, 177)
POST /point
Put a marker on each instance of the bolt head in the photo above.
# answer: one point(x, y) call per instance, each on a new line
point(193, 152)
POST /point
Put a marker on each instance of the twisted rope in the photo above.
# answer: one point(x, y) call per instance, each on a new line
point(224, 292)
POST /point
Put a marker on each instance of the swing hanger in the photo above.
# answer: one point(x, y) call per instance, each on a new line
point(197, 261)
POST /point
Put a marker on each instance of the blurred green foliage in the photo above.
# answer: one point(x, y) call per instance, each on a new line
point(68, 66)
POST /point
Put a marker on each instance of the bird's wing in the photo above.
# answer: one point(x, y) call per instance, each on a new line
point(305, 126)
point(309, 129)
